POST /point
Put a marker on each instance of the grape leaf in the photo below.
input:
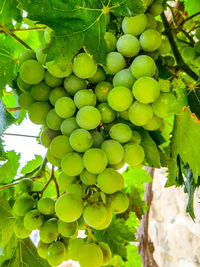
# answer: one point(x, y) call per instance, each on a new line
point(32, 164)
point(9, 12)
point(191, 7)
point(133, 257)
point(7, 251)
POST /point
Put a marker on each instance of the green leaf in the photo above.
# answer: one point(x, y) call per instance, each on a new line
point(133, 257)
point(191, 7)
point(9, 169)
point(190, 188)
point(7, 252)
point(32, 164)
point(9, 12)
point(194, 101)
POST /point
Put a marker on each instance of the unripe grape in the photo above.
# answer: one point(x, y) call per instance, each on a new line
point(67, 229)
point(119, 202)
point(84, 66)
point(72, 164)
point(40, 55)
point(60, 146)
point(150, 40)
point(140, 114)
point(134, 25)
point(53, 121)
point(56, 253)
point(95, 214)
point(51, 80)
point(65, 180)
point(52, 159)
point(117, 166)
point(120, 98)
point(33, 219)
point(20, 230)
point(40, 92)
point(114, 62)
point(74, 248)
point(164, 85)
point(58, 70)
point(98, 77)
point(80, 140)
point(155, 9)
point(108, 218)
point(22, 205)
point(49, 231)
point(102, 90)
point(26, 54)
point(73, 84)
point(165, 47)
point(134, 154)
point(188, 53)
point(159, 27)
point(26, 185)
point(25, 100)
point(128, 45)
point(68, 126)
point(154, 124)
point(57, 93)
point(151, 22)
point(154, 55)
point(124, 78)
point(88, 117)
point(90, 255)
point(169, 61)
point(38, 112)
point(107, 113)
point(88, 178)
point(143, 66)
point(114, 151)
point(46, 206)
point(84, 97)
point(111, 41)
point(42, 249)
point(95, 155)
point(162, 105)
point(31, 71)
point(22, 85)
point(97, 138)
point(65, 107)
point(136, 137)
point(124, 115)
point(120, 132)
point(107, 254)
point(47, 135)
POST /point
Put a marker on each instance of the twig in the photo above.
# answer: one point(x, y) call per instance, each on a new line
point(190, 17)
point(29, 29)
point(57, 187)
point(21, 135)
point(52, 177)
point(13, 109)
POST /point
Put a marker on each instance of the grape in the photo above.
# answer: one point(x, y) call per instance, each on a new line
point(197, 33)
point(140, 114)
point(31, 71)
point(98, 77)
point(60, 146)
point(90, 255)
point(107, 113)
point(88, 117)
point(134, 25)
point(58, 70)
point(169, 61)
point(57, 93)
point(53, 121)
point(134, 154)
point(81, 223)
point(154, 124)
point(49, 231)
point(75, 189)
point(164, 85)
point(42, 249)
point(114, 62)
point(53, 160)
point(40, 92)
point(124, 115)
point(151, 21)
point(68, 126)
point(72, 164)
point(84, 66)
point(22, 205)
point(188, 53)
point(120, 98)
point(65, 107)
point(38, 112)
point(143, 66)
point(162, 105)
point(111, 41)
point(124, 78)
point(47, 35)
point(26, 185)
point(69, 207)
point(150, 40)
point(102, 90)
point(40, 55)
point(65, 180)
point(26, 54)
point(154, 55)
point(22, 85)
point(47, 135)
point(128, 45)
point(19, 229)
point(97, 156)
point(136, 137)
point(110, 181)
point(88, 178)
point(80, 140)
point(74, 248)
point(84, 97)
point(67, 229)
point(108, 218)
point(119, 202)
point(33, 219)
point(146, 90)
point(25, 100)
point(107, 254)
point(97, 138)
point(56, 253)
point(73, 84)
point(46, 206)
point(120, 132)
point(114, 151)
point(117, 166)
point(52, 81)
point(197, 47)
point(165, 47)
point(95, 214)
point(155, 9)
point(159, 27)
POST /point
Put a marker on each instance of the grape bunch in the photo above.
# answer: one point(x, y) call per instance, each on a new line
point(91, 117)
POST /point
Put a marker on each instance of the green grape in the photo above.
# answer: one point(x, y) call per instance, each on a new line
point(84, 66)
point(42, 249)
point(95, 214)
point(102, 90)
point(51, 80)
point(68, 126)
point(52, 159)
point(110, 181)
point(134, 154)
point(97, 156)
point(72, 204)
point(98, 77)
point(25, 100)
point(72, 164)
point(197, 33)
point(164, 85)
point(81, 223)
point(46, 205)
point(88, 117)
point(58, 70)
point(40, 55)
point(67, 229)
point(33, 219)
point(26, 54)
point(134, 25)
point(49, 231)
point(114, 62)
point(108, 218)
point(159, 27)
point(19, 229)
point(88, 178)
point(97, 138)
point(146, 90)
point(140, 114)
point(84, 97)
point(65, 180)
point(53, 121)
point(117, 166)
point(47, 135)
point(197, 47)
point(154, 55)
point(119, 202)
point(75, 189)
point(56, 253)
point(60, 146)
point(150, 40)
point(107, 113)
point(31, 71)
point(57, 93)
point(120, 98)
point(114, 151)
point(40, 92)
point(90, 255)
point(111, 41)
point(165, 47)
point(26, 185)
point(151, 21)
point(143, 66)
point(107, 254)
point(38, 112)
point(65, 107)
point(22, 205)
point(73, 84)
point(136, 137)
point(169, 61)
point(162, 105)
point(154, 124)
point(80, 140)
point(124, 115)
point(22, 85)
point(128, 45)
point(197, 62)
point(155, 9)
point(74, 247)
point(47, 35)
point(123, 78)
point(188, 53)
point(120, 132)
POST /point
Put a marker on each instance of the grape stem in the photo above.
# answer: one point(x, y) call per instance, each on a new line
point(13, 109)
point(52, 178)
point(29, 29)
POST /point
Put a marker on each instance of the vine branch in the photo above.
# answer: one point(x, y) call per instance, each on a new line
point(190, 17)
